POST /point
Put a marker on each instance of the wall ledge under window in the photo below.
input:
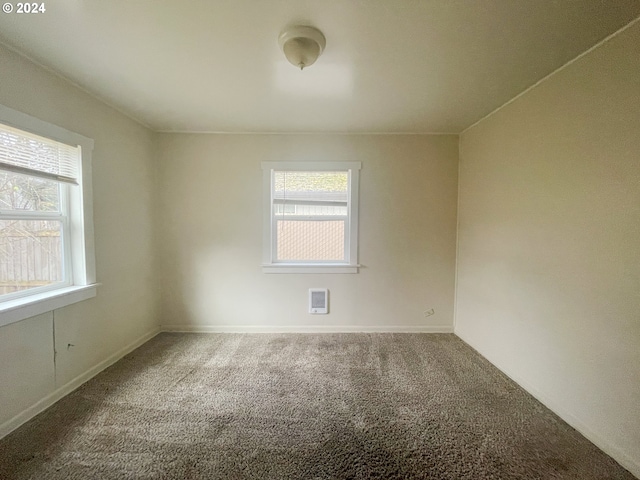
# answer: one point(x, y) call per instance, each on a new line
point(26, 307)
point(305, 268)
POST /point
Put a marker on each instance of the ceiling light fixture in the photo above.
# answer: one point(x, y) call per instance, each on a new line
point(302, 45)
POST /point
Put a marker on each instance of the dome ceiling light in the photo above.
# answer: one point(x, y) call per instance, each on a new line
point(302, 45)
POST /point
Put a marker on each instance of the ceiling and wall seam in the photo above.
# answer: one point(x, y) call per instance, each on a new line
point(316, 132)
point(76, 85)
point(557, 70)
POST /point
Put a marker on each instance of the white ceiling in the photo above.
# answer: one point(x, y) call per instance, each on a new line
point(389, 65)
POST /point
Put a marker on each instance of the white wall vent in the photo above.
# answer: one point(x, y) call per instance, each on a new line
point(318, 300)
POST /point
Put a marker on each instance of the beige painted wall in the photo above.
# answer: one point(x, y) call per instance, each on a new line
point(548, 274)
point(123, 180)
point(549, 243)
point(211, 214)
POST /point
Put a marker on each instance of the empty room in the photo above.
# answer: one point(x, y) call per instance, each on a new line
point(293, 239)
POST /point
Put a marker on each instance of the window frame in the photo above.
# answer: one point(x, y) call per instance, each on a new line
point(269, 262)
point(78, 246)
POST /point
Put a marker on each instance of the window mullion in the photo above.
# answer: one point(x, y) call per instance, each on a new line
point(26, 215)
point(313, 218)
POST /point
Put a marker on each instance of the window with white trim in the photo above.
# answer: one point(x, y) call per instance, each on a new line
point(46, 229)
point(310, 217)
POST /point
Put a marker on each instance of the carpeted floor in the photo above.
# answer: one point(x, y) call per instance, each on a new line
point(301, 406)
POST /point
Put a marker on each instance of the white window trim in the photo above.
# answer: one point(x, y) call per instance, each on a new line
point(268, 263)
point(80, 206)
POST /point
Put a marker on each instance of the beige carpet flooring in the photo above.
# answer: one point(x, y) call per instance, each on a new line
point(301, 406)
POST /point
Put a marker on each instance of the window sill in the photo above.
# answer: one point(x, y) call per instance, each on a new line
point(306, 268)
point(25, 307)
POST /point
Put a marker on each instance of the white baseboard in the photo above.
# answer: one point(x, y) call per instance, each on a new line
point(615, 452)
point(307, 329)
point(27, 414)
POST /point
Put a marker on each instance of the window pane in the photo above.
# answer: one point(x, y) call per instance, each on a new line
point(30, 254)
point(317, 196)
point(310, 240)
point(311, 187)
point(22, 192)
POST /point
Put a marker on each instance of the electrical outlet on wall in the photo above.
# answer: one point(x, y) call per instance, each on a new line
point(428, 313)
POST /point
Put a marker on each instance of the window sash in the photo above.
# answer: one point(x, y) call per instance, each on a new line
point(63, 217)
point(29, 215)
point(321, 203)
point(310, 218)
point(281, 198)
point(278, 217)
